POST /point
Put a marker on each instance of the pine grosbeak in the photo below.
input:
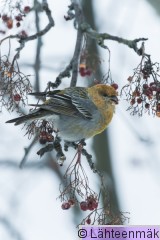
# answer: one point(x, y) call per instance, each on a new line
point(77, 112)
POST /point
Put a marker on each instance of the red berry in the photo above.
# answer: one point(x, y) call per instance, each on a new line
point(158, 107)
point(132, 102)
point(83, 73)
point(153, 88)
point(130, 79)
point(16, 97)
point(88, 221)
point(84, 206)
point(42, 141)
point(23, 34)
point(92, 203)
point(158, 89)
point(18, 24)
point(147, 105)
point(71, 202)
point(152, 83)
point(43, 133)
point(145, 86)
point(157, 113)
point(27, 9)
point(10, 23)
point(5, 18)
point(65, 206)
point(88, 72)
point(50, 138)
point(114, 85)
point(19, 17)
point(139, 100)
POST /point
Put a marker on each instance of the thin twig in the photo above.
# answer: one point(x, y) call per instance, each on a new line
point(27, 151)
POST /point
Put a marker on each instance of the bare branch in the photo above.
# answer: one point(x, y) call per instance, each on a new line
point(100, 37)
point(27, 151)
point(23, 40)
point(75, 60)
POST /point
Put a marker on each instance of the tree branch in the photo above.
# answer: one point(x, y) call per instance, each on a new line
point(100, 37)
point(23, 40)
point(75, 60)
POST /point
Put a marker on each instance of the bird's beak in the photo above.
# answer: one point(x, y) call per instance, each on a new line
point(114, 99)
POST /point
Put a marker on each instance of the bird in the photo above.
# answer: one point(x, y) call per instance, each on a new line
point(77, 113)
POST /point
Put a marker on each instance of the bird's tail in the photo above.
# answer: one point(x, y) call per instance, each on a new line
point(40, 113)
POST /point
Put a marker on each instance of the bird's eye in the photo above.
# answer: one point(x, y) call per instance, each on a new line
point(104, 95)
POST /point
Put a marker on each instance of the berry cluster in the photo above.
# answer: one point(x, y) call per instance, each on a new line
point(45, 137)
point(91, 203)
point(43, 128)
point(104, 216)
point(68, 204)
point(15, 16)
point(14, 85)
point(45, 132)
point(143, 89)
point(84, 70)
point(114, 85)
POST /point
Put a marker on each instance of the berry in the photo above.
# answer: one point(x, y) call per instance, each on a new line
point(153, 87)
point(5, 18)
point(136, 93)
point(132, 101)
point(88, 221)
point(50, 138)
point(147, 92)
point(23, 34)
point(158, 89)
point(84, 206)
point(92, 203)
point(145, 86)
point(65, 206)
point(114, 85)
point(130, 79)
point(71, 202)
point(139, 100)
point(16, 97)
point(27, 9)
point(158, 107)
point(152, 83)
point(19, 17)
point(158, 114)
point(82, 73)
point(18, 24)
point(147, 105)
point(88, 72)
point(10, 23)
point(42, 141)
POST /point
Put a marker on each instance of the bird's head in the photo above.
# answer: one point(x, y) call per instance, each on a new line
point(104, 94)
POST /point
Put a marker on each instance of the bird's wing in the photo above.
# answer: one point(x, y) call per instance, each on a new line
point(70, 102)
